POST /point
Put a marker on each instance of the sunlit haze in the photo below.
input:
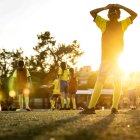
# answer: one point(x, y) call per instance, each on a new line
point(67, 20)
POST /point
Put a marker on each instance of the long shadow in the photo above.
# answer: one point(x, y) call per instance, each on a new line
point(93, 131)
point(135, 115)
point(132, 111)
point(31, 133)
point(87, 133)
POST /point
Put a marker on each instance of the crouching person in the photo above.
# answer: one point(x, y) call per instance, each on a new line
point(55, 98)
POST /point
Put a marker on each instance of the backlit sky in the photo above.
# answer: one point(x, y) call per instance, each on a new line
point(67, 20)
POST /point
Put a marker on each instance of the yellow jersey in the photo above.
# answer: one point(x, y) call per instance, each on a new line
point(56, 89)
point(64, 75)
point(112, 37)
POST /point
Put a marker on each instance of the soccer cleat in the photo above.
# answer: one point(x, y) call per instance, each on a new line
point(53, 108)
point(88, 111)
point(133, 107)
point(114, 111)
point(28, 109)
point(20, 109)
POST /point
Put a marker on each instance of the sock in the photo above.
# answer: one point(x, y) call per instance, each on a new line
point(67, 102)
point(26, 97)
point(117, 94)
point(21, 101)
point(52, 103)
point(73, 103)
point(58, 103)
point(95, 95)
point(62, 102)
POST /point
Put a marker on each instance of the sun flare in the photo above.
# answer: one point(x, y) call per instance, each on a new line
point(128, 62)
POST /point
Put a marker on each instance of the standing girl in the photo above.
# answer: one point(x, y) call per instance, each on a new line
point(73, 84)
point(63, 77)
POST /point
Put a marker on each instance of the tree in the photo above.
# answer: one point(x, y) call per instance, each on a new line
point(8, 61)
point(49, 55)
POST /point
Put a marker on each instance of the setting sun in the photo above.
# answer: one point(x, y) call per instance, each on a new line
point(129, 63)
point(129, 60)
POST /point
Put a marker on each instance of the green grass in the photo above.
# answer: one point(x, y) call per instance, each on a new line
point(69, 125)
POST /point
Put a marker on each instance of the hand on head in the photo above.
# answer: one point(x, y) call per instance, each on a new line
point(109, 6)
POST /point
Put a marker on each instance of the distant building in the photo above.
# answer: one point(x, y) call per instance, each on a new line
point(84, 74)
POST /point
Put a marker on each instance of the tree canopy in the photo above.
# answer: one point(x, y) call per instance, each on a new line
point(44, 63)
point(8, 61)
point(49, 54)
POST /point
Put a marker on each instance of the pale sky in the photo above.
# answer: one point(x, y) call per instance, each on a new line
point(67, 20)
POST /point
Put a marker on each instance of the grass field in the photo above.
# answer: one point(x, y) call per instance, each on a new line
point(70, 125)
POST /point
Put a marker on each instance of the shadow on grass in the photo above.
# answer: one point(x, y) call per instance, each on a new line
point(134, 114)
point(87, 133)
point(93, 131)
point(31, 133)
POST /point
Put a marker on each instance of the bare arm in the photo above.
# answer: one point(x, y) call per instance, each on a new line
point(96, 11)
point(59, 79)
point(29, 85)
point(29, 79)
point(12, 82)
point(131, 12)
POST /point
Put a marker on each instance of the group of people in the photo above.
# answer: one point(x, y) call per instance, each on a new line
point(65, 87)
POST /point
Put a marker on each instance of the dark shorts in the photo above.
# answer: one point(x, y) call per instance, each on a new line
point(64, 86)
point(55, 95)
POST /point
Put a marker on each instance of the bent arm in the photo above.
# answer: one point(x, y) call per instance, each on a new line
point(29, 79)
point(96, 11)
point(133, 14)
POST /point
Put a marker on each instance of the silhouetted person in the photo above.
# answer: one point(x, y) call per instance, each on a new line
point(54, 100)
point(63, 73)
point(22, 79)
point(73, 85)
point(112, 46)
